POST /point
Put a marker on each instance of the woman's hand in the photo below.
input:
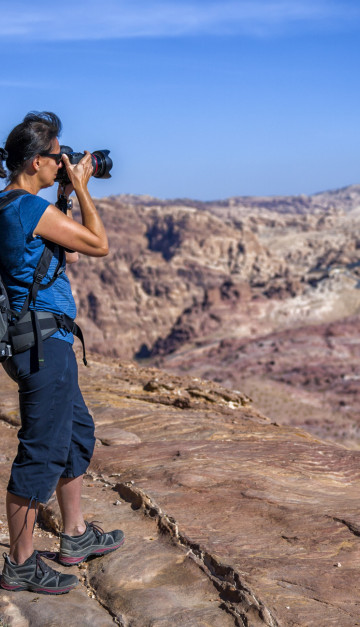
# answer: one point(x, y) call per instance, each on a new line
point(79, 173)
point(65, 190)
point(71, 257)
point(88, 238)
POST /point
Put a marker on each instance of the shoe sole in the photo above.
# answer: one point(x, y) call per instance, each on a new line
point(13, 588)
point(70, 561)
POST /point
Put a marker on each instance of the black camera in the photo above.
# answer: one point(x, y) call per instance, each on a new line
point(100, 159)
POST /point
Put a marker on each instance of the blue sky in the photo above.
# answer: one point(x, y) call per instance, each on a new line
point(199, 98)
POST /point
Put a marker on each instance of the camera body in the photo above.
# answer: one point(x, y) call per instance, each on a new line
point(100, 160)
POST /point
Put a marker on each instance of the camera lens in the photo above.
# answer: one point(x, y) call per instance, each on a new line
point(100, 159)
point(102, 164)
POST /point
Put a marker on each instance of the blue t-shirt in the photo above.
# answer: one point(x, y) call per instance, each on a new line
point(20, 252)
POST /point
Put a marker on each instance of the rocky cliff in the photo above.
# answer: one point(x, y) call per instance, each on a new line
point(259, 294)
point(230, 519)
point(171, 260)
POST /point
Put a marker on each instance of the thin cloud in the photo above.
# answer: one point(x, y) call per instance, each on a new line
point(117, 19)
point(29, 84)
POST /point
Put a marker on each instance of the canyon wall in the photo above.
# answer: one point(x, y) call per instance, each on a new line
point(260, 294)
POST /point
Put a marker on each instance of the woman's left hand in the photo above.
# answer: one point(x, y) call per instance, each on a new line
point(71, 257)
point(66, 191)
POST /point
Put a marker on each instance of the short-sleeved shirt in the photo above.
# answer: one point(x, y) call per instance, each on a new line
point(20, 252)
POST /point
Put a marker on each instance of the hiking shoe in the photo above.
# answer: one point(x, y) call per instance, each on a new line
point(36, 576)
point(94, 541)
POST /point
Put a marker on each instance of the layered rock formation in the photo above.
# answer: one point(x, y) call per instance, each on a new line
point(168, 258)
point(188, 285)
point(229, 518)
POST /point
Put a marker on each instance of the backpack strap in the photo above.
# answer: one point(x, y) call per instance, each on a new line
point(36, 326)
point(65, 322)
point(10, 196)
point(40, 272)
point(38, 319)
point(44, 261)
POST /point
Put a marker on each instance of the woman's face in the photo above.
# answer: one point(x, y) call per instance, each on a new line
point(49, 167)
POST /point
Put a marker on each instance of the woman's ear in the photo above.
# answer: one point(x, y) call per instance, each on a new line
point(36, 163)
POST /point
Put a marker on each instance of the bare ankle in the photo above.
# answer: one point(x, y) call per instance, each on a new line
point(18, 557)
point(76, 530)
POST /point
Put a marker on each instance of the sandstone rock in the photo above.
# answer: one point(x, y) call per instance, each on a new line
point(265, 511)
point(169, 258)
point(245, 522)
point(308, 377)
point(269, 524)
point(110, 435)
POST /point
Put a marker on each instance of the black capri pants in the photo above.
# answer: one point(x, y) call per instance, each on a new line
point(56, 438)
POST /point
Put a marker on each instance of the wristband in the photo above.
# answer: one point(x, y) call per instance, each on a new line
point(64, 203)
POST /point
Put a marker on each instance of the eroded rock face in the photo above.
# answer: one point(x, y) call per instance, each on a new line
point(228, 263)
point(246, 522)
point(189, 284)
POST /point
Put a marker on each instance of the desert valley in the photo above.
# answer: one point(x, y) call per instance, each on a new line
point(258, 294)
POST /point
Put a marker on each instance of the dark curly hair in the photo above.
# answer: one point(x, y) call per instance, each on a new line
point(32, 137)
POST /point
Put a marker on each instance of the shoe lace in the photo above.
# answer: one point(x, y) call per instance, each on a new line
point(40, 564)
point(98, 531)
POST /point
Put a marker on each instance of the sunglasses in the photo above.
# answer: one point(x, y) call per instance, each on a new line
point(54, 155)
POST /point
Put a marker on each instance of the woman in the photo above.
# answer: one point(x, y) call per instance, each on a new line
point(56, 438)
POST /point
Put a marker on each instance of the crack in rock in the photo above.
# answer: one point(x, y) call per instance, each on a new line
point(48, 521)
point(117, 618)
point(238, 599)
point(355, 529)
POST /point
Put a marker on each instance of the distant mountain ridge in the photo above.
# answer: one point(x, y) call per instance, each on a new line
point(343, 198)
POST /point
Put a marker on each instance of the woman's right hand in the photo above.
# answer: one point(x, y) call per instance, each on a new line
point(79, 173)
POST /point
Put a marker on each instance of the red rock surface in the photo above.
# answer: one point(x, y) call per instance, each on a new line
point(232, 519)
